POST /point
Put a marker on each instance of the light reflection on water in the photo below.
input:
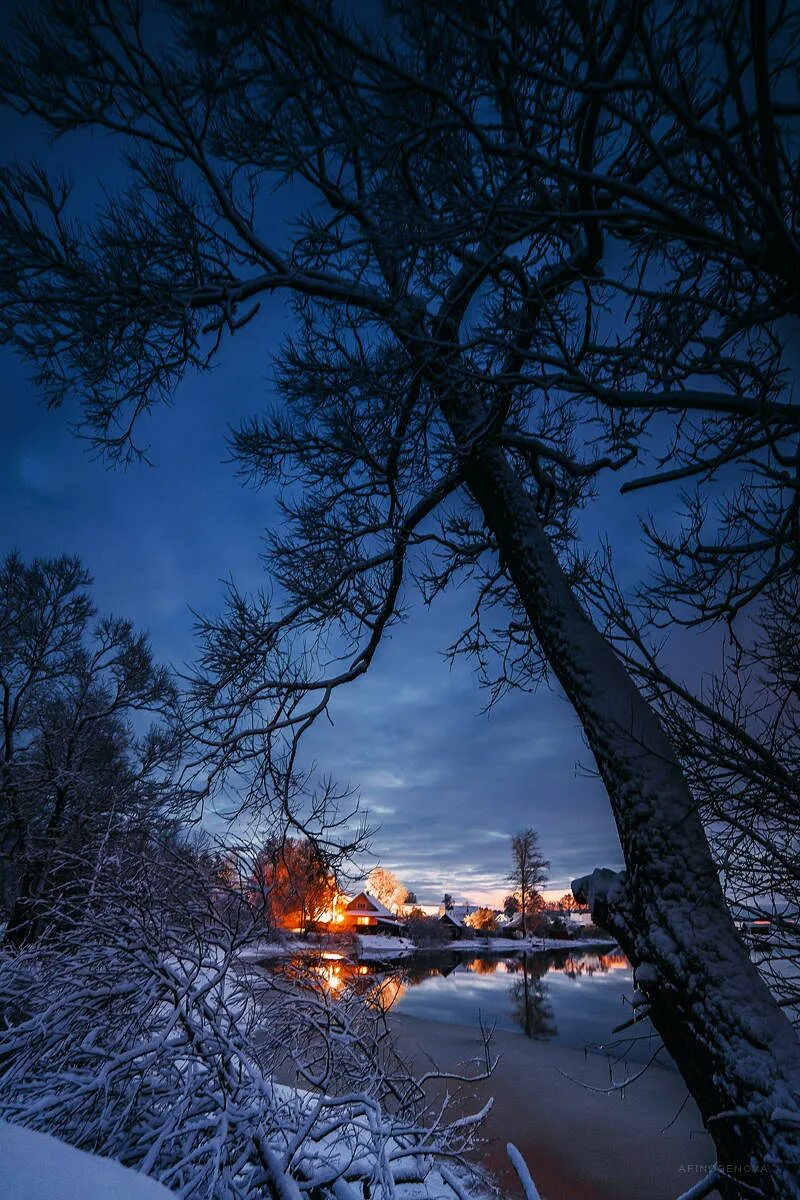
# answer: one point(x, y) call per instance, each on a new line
point(574, 998)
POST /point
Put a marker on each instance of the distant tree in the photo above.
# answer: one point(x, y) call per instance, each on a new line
point(73, 771)
point(511, 906)
point(568, 903)
point(411, 898)
point(484, 919)
point(528, 872)
point(292, 883)
point(423, 928)
point(386, 887)
point(447, 902)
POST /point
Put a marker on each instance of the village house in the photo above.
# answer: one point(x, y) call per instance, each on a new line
point(452, 924)
point(454, 919)
point(365, 914)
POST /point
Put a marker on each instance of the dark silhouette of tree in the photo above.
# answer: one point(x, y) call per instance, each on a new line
point(737, 733)
point(528, 872)
point(539, 247)
point(73, 773)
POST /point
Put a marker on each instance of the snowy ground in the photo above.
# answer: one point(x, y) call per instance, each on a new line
point(383, 946)
point(386, 948)
point(35, 1166)
point(531, 945)
point(285, 949)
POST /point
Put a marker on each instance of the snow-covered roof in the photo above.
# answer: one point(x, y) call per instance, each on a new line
point(451, 916)
point(378, 909)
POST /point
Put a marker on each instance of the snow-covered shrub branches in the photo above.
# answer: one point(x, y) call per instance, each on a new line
point(132, 1029)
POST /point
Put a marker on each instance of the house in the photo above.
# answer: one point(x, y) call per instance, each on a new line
point(512, 926)
point(453, 925)
point(365, 914)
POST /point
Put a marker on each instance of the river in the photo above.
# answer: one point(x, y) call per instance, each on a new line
point(553, 1016)
point(573, 998)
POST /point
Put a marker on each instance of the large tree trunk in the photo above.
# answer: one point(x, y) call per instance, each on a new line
point(733, 1045)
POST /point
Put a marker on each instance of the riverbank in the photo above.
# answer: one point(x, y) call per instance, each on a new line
point(378, 947)
point(580, 1144)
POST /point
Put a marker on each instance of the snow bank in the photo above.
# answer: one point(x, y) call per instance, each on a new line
point(532, 945)
point(379, 945)
point(285, 949)
point(387, 948)
point(36, 1166)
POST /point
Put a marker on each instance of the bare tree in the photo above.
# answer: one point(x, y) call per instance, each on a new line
point(528, 872)
point(386, 887)
point(73, 771)
point(737, 732)
point(542, 247)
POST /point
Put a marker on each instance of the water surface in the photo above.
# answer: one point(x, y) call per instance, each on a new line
point(573, 998)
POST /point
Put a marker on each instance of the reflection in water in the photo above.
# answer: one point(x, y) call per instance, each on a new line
point(528, 999)
point(531, 1001)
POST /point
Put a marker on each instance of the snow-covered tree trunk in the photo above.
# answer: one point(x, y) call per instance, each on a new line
point(735, 1048)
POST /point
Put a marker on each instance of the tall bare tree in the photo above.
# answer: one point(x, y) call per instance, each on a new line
point(292, 883)
point(540, 245)
point(528, 872)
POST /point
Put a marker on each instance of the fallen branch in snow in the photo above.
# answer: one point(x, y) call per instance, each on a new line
point(134, 1031)
point(524, 1175)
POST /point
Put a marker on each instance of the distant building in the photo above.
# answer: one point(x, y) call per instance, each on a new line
point(756, 929)
point(364, 914)
point(452, 923)
point(460, 911)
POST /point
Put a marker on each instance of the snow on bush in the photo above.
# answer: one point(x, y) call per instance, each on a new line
point(134, 1031)
point(35, 1166)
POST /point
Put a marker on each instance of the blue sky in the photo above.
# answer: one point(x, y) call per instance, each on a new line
point(447, 784)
